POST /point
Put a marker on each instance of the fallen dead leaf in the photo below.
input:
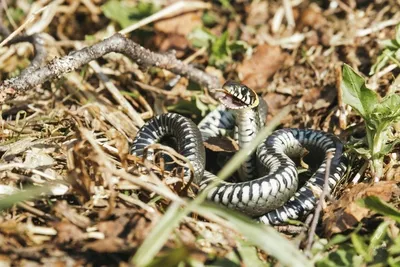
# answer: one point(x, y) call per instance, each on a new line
point(181, 25)
point(68, 233)
point(255, 71)
point(169, 42)
point(346, 213)
point(221, 144)
point(108, 245)
point(317, 98)
point(276, 101)
point(113, 228)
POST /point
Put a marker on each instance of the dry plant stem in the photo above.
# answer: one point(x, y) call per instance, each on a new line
point(318, 210)
point(174, 156)
point(377, 27)
point(289, 13)
point(23, 26)
point(342, 109)
point(362, 170)
point(117, 94)
point(159, 188)
point(144, 183)
point(10, 166)
point(172, 10)
point(136, 202)
point(36, 212)
point(116, 43)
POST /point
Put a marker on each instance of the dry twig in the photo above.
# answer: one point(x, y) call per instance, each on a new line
point(318, 210)
point(116, 43)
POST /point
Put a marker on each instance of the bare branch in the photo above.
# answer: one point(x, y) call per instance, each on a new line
point(116, 43)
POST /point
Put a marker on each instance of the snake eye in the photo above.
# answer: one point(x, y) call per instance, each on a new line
point(237, 96)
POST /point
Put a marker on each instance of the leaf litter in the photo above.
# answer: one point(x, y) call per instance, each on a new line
point(113, 200)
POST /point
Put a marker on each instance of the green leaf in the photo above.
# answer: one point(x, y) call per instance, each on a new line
point(376, 204)
point(125, 13)
point(397, 37)
point(388, 110)
point(158, 236)
point(362, 151)
point(172, 257)
point(220, 51)
point(241, 47)
point(337, 239)
point(395, 248)
point(343, 256)
point(378, 237)
point(360, 246)
point(201, 37)
point(194, 108)
point(209, 18)
point(381, 61)
point(27, 194)
point(387, 148)
point(356, 94)
point(249, 255)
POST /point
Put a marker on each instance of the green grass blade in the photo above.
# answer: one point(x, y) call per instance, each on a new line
point(234, 163)
point(262, 236)
point(27, 194)
point(158, 236)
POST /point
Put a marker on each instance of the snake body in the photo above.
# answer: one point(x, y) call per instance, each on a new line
point(268, 189)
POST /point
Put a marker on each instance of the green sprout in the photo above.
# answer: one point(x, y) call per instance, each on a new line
point(379, 117)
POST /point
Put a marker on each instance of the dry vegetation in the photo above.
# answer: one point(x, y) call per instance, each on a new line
point(74, 94)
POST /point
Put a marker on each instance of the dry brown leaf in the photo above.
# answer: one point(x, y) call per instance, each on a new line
point(108, 245)
point(68, 233)
point(346, 213)
point(221, 144)
point(182, 24)
point(169, 42)
point(113, 228)
point(255, 71)
point(315, 98)
point(276, 102)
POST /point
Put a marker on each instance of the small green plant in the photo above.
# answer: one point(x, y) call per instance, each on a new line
point(391, 53)
point(379, 115)
point(378, 248)
point(220, 48)
point(125, 13)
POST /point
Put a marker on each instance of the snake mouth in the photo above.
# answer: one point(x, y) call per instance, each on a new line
point(228, 95)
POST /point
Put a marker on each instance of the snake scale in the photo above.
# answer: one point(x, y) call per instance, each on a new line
point(268, 187)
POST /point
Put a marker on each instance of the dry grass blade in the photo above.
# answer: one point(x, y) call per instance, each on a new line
point(172, 10)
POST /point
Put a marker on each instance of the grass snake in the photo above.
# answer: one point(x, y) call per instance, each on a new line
point(268, 180)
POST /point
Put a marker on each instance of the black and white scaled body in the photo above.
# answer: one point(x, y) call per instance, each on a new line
point(268, 189)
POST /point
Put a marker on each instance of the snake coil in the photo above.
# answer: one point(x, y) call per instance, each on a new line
point(268, 189)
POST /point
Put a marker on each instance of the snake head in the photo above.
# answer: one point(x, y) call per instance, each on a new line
point(235, 95)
